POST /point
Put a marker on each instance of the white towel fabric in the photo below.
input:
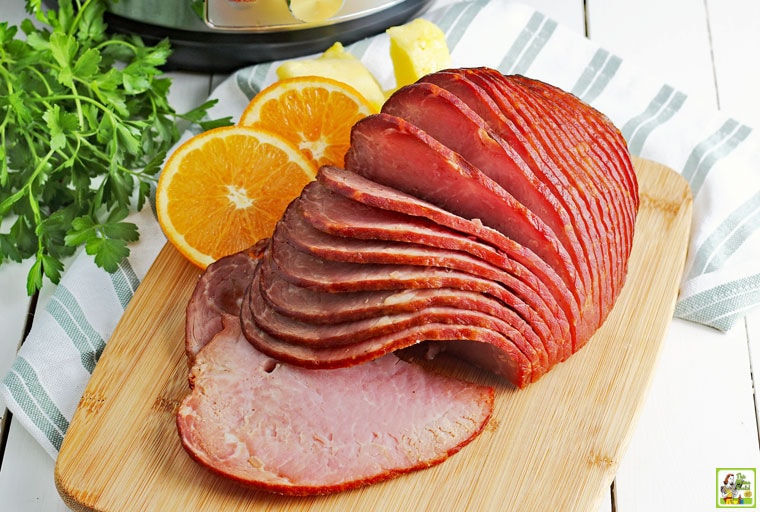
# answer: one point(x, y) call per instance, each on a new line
point(718, 155)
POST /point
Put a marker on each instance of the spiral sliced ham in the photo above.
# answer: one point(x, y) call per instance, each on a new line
point(487, 216)
point(467, 180)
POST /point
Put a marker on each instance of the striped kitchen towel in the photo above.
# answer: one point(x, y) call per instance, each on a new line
point(715, 153)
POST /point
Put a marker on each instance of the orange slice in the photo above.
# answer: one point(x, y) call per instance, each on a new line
point(224, 189)
point(314, 112)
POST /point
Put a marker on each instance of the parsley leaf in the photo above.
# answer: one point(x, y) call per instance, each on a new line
point(85, 125)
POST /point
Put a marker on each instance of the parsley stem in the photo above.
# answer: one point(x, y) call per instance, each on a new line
point(60, 97)
point(81, 9)
point(8, 202)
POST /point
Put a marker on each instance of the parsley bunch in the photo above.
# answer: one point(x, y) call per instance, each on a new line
point(85, 125)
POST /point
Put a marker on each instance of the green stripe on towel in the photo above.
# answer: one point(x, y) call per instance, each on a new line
point(528, 44)
point(125, 282)
point(25, 388)
point(596, 76)
point(455, 19)
point(727, 237)
point(249, 80)
point(663, 106)
point(705, 154)
point(67, 312)
point(720, 306)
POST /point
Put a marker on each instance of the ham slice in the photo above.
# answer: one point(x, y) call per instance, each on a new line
point(289, 430)
point(452, 122)
point(330, 276)
point(616, 190)
point(561, 165)
point(217, 297)
point(524, 167)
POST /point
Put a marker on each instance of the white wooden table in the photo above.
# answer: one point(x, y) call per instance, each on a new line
point(701, 413)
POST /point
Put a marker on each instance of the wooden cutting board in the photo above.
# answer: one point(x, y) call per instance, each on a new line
point(555, 445)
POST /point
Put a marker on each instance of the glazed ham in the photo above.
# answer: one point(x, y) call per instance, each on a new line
point(468, 180)
point(484, 216)
point(285, 429)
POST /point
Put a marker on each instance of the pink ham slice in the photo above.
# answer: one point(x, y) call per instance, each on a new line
point(317, 309)
point(519, 167)
point(556, 164)
point(324, 308)
point(349, 343)
point(347, 219)
point(605, 160)
point(572, 141)
point(217, 296)
point(284, 429)
point(590, 120)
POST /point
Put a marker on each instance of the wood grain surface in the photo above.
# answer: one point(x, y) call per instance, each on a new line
point(552, 446)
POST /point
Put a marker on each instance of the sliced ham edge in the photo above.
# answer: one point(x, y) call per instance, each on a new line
point(295, 230)
point(450, 120)
point(512, 364)
point(360, 189)
point(339, 277)
point(558, 187)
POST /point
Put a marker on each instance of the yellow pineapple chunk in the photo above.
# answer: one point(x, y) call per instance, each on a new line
point(417, 48)
point(338, 64)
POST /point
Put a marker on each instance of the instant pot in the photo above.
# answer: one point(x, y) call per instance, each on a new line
point(223, 35)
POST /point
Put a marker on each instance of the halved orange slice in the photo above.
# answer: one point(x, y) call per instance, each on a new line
point(314, 112)
point(224, 189)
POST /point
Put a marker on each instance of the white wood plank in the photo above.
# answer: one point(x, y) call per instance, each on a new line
point(667, 40)
point(606, 505)
point(188, 90)
point(26, 478)
point(217, 79)
point(14, 306)
point(735, 44)
point(699, 416)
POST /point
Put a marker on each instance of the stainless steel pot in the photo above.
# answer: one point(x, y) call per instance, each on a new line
point(222, 35)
